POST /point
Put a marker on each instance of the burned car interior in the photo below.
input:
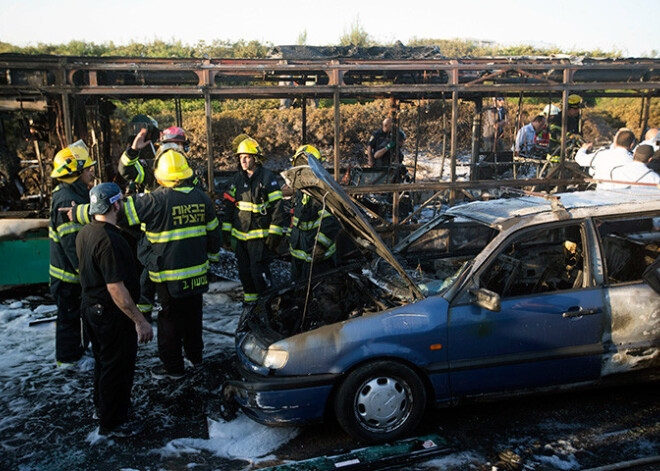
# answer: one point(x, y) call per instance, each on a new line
point(629, 246)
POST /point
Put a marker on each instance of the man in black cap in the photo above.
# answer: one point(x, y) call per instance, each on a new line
point(110, 288)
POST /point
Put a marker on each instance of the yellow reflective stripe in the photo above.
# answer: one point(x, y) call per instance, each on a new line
point(180, 274)
point(213, 257)
point(254, 234)
point(251, 207)
point(63, 275)
point(52, 234)
point(140, 173)
point(309, 225)
point(145, 308)
point(183, 189)
point(176, 234)
point(82, 213)
point(274, 196)
point(126, 160)
point(131, 213)
point(212, 225)
point(68, 228)
point(273, 229)
point(300, 255)
point(226, 226)
point(324, 239)
point(250, 297)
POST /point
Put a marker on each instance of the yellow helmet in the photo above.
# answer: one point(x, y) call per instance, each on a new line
point(306, 149)
point(69, 163)
point(574, 101)
point(249, 146)
point(172, 168)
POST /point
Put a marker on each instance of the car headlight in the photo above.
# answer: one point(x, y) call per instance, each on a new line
point(276, 357)
point(270, 357)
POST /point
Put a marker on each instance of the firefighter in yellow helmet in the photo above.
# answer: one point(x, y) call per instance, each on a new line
point(313, 229)
point(181, 226)
point(573, 127)
point(73, 171)
point(253, 218)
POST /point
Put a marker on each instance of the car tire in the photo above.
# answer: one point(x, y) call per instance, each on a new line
point(380, 401)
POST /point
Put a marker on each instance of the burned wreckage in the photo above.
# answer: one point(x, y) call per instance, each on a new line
point(489, 299)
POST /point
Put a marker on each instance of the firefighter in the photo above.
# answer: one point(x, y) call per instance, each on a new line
point(137, 160)
point(72, 168)
point(180, 224)
point(139, 173)
point(253, 221)
point(573, 127)
point(313, 229)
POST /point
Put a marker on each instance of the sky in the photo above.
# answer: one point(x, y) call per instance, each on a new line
point(570, 24)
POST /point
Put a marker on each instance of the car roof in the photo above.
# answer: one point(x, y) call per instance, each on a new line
point(503, 213)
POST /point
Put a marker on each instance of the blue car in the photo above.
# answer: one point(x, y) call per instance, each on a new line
point(489, 299)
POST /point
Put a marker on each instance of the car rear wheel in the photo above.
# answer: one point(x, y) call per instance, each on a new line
point(380, 401)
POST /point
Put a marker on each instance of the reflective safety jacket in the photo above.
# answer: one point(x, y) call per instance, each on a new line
point(309, 220)
point(62, 232)
point(184, 233)
point(133, 169)
point(253, 206)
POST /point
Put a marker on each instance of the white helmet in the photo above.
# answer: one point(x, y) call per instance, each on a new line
point(551, 110)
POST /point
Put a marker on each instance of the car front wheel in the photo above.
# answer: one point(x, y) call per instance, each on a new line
point(380, 401)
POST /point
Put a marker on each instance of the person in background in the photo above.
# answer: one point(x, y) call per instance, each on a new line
point(72, 168)
point(253, 219)
point(380, 149)
point(495, 118)
point(115, 325)
point(636, 171)
point(526, 136)
point(601, 162)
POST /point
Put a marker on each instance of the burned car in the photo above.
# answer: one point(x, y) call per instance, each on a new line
point(487, 300)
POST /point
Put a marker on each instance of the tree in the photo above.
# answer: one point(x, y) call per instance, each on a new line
point(302, 38)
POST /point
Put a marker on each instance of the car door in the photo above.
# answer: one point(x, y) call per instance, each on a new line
point(628, 245)
point(549, 328)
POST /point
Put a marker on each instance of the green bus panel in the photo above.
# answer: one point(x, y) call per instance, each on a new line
point(25, 261)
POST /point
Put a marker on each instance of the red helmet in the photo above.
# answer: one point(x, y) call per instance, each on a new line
point(173, 134)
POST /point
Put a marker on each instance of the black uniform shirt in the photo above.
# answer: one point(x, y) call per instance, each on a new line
point(105, 257)
point(380, 139)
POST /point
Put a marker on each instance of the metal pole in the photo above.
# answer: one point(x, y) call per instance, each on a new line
point(337, 131)
point(209, 140)
point(304, 120)
point(644, 116)
point(454, 141)
point(476, 134)
point(66, 111)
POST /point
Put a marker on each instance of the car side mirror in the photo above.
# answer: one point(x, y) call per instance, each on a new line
point(486, 299)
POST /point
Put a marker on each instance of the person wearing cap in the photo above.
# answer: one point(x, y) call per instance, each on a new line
point(73, 171)
point(573, 125)
point(493, 128)
point(636, 171)
point(181, 226)
point(253, 219)
point(110, 289)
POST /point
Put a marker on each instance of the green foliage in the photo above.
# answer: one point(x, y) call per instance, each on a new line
point(356, 36)
point(302, 38)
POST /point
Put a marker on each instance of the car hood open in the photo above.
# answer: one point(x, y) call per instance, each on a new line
point(315, 181)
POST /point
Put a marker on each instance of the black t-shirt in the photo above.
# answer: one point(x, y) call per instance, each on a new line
point(104, 257)
point(380, 139)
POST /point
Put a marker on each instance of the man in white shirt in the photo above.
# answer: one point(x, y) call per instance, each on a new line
point(636, 171)
point(601, 163)
point(526, 135)
point(652, 138)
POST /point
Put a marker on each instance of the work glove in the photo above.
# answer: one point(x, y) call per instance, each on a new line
point(318, 253)
point(273, 242)
point(390, 145)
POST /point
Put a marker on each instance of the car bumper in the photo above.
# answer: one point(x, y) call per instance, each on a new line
point(274, 400)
